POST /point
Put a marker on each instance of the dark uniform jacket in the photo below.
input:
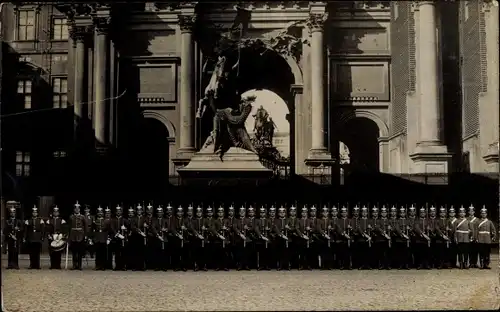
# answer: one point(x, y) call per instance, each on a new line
point(137, 225)
point(486, 232)
point(293, 224)
point(210, 232)
point(116, 227)
point(35, 230)
point(149, 229)
point(161, 227)
point(440, 229)
point(239, 228)
point(55, 225)
point(101, 230)
point(420, 228)
point(78, 228)
point(364, 227)
point(473, 223)
point(195, 228)
point(300, 230)
point(176, 227)
point(324, 226)
point(403, 226)
point(13, 228)
point(280, 227)
point(380, 228)
point(431, 227)
point(90, 223)
point(252, 226)
point(393, 223)
point(260, 227)
point(313, 224)
point(341, 228)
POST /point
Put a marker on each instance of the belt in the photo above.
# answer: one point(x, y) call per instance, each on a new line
point(484, 232)
point(461, 231)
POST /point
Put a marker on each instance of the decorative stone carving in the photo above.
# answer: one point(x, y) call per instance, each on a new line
point(187, 22)
point(316, 22)
point(102, 24)
point(79, 33)
point(73, 10)
point(487, 5)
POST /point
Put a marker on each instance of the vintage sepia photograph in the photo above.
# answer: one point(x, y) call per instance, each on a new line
point(249, 155)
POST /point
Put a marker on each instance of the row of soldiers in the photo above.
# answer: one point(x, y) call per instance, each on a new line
point(196, 239)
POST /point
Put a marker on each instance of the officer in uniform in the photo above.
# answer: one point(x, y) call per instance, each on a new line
point(453, 250)
point(160, 228)
point(294, 243)
point(13, 234)
point(211, 236)
point(196, 228)
point(486, 235)
point(463, 236)
point(356, 239)
point(137, 240)
point(101, 230)
point(77, 236)
point(273, 239)
point(240, 228)
point(89, 246)
point(403, 240)
point(313, 234)
point(393, 252)
point(281, 232)
point(432, 223)
point(302, 242)
point(55, 225)
point(230, 223)
point(422, 247)
point(442, 240)
point(119, 233)
point(381, 238)
point(151, 239)
point(170, 238)
point(189, 240)
point(221, 245)
point(262, 240)
point(473, 246)
point(179, 252)
point(365, 240)
point(334, 238)
point(130, 240)
point(412, 218)
point(109, 249)
point(343, 243)
point(34, 234)
point(324, 233)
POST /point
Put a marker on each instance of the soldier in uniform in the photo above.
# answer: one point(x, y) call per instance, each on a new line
point(343, 233)
point(463, 236)
point(313, 234)
point(196, 230)
point(356, 238)
point(381, 238)
point(240, 228)
point(413, 249)
point(364, 243)
point(151, 239)
point(324, 231)
point(334, 213)
point(13, 235)
point(302, 241)
point(402, 240)
point(109, 243)
point(453, 251)
point(252, 234)
point(273, 239)
point(189, 240)
point(211, 235)
point(473, 246)
point(89, 245)
point(294, 243)
point(77, 236)
point(442, 241)
point(422, 239)
point(230, 220)
point(137, 240)
point(432, 224)
point(159, 226)
point(179, 252)
point(34, 234)
point(119, 233)
point(221, 244)
point(55, 225)
point(101, 230)
point(393, 252)
point(262, 243)
point(281, 232)
point(486, 235)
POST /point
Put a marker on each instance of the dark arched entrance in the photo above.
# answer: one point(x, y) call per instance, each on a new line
point(361, 135)
point(153, 158)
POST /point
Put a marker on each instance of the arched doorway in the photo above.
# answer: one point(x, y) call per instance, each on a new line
point(361, 136)
point(153, 156)
point(265, 72)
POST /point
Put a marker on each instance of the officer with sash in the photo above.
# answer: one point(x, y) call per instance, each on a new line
point(463, 236)
point(453, 252)
point(34, 234)
point(78, 230)
point(120, 227)
point(486, 235)
point(473, 246)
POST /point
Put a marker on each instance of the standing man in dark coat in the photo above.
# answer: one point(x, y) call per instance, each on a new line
point(324, 244)
point(89, 245)
point(151, 239)
point(13, 234)
point(382, 240)
point(101, 230)
point(486, 235)
point(442, 240)
point(281, 232)
point(34, 234)
point(473, 246)
point(314, 238)
point(451, 234)
point(294, 243)
point(55, 226)
point(422, 240)
point(403, 240)
point(179, 231)
point(303, 240)
point(77, 236)
point(161, 229)
point(414, 239)
point(241, 229)
point(197, 229)
point(262, 244)
point(221, 245)
point(109, 248)
point(343, 243)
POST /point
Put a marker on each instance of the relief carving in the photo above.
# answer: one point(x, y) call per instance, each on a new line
point(102, 24)
point(316, 22)
point(187, 22)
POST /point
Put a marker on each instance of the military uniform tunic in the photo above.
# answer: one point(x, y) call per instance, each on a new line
point(35, 228)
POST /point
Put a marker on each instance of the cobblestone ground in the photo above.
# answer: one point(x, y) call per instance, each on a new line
point(89, 290)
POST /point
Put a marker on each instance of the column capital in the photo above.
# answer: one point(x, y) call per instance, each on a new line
point(79, 33)
point(186, 22)
point(102, 24)
point(316, 21)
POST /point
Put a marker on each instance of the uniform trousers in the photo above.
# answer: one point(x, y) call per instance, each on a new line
point(263, 255)
point(473, 253)
point(422, 254)
point(221, 255)
point(313, 253)
point(304, 255)
point(162, 256)
point(180, 255)
point(35, 248)
point(242, 253)
point(282, 255)
point(101, 255)
point(361, 250)
point(400, 254)
point(440, 252)
point(13, 254)
point(118, 248)
point(463, 253)
point(343, 254)
point(326, 254)
point(484, 254)
point(55, 259)
point(201, 254)
point(452, 254)
point(380, 250)
point(149, 258)
point(135, 253)
point(77, 252)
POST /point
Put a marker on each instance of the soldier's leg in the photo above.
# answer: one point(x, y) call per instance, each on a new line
point(81, 253)
point(487, 253)
point(347, 255)
point(196, 261)
point(473, 254)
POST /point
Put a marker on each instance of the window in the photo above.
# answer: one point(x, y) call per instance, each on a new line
point(59, 29)
point(24, 92)
point(23, 167)
point(60, 92)
point(59, 154)
point(26, 25)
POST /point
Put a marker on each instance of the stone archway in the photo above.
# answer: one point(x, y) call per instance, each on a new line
point(156, 144)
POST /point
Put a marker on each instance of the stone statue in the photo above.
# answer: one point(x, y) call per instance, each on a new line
point(264, 126)
point(230, 111)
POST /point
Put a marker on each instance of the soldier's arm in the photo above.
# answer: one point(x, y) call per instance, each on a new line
point(256, 228)
point(236, 228)
point(493, 231)
point(212, 228)
point(276, 229)
point(416, 228)
point(437, 228)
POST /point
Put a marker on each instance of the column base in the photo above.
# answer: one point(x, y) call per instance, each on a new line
point(319, 159)
point(183, 157)
point(431, 157)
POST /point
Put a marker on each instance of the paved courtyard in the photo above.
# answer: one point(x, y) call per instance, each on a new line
point(89, 290)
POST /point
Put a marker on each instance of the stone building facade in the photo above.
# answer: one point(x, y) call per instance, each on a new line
point(406, 86)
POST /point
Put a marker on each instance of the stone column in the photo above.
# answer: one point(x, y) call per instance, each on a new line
point(187, 92)
point(79, 34)
point(100, 78)
point(430, 156)
point(318, 154)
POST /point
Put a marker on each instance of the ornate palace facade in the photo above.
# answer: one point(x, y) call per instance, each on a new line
point(408, 89)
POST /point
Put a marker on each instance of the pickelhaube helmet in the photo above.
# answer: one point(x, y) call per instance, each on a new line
point(231, 208)
point(190, 208)
point(483, 210)
point(77, 205)
point(403, 210)
point(55, 208)
point(334, 209)
point(313, 209)
point(131, 210)
point(412, 208)
point(242, 208)
point(374, 209)
point(209, 209)
point(442, 209)
point(393, 208)
point(220, 209)
point(432, 208)
point(262, 209)
point(452, 210)
point(198, 209)
point(304, 209)
point(293, 208)
point(471, 207)
point(99, 209)
point(139, 207)
point(159, 209)
point(107, 210)
point(34, 208)
point(149, 207)
point(180, 209)
point(272, 209)
point(462, 209)
point(364, 208)
point(250, 208)
point(282, 209)
point(169, 207)
point(325, 209)
point(343, 209)
point(422, 210)
point(383, 209)
point(356, 208)
point(118, 208)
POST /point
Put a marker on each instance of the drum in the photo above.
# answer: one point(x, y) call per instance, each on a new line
point(57, 244)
